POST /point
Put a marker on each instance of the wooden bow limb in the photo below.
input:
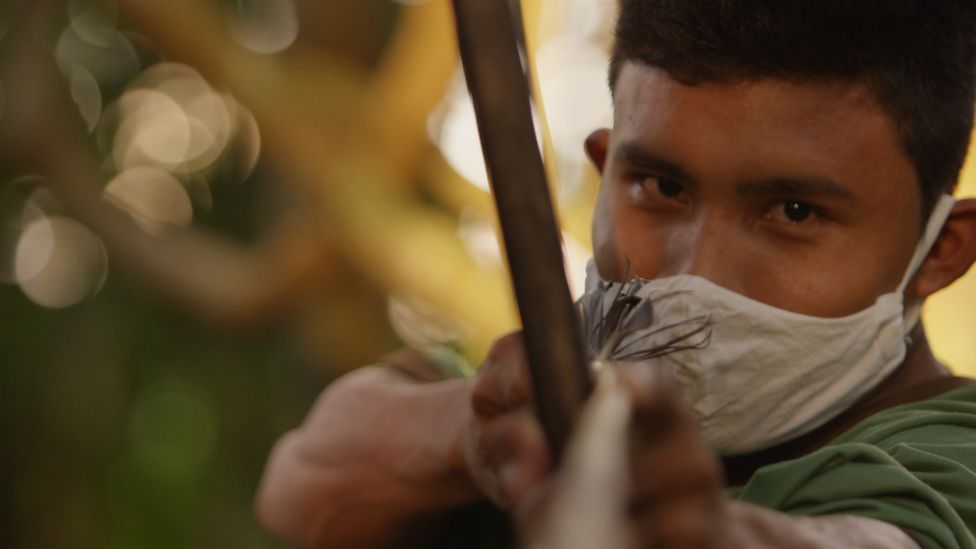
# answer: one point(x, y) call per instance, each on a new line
point(495, 77)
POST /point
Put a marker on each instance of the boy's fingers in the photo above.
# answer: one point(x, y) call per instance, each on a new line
point(676, 484)
point(504, 382)
point(516, 450)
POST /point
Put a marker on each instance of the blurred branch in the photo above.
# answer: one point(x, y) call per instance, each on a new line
point(320, 92)
point(310, 110)
point(209, 276)
point(382, 229)
point(411, 80)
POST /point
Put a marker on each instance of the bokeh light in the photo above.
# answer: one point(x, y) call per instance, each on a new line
point(94, 23)
point(454, 128)
point(86, 95)
point(153, 197)
point(480, 239)
point(14, 201)
point(572, 76)
point(171, 118)
point(571, 63)
point(154, 131)
point(197, 187)
point(91, 41)
point(575, 256)
point(59, 262)
point(248, 140)
point(263, 26)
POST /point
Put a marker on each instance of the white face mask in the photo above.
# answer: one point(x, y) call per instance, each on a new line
point(755, 375)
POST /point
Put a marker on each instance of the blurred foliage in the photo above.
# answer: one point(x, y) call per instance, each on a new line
point(129, 420)
point(130, 424)
point(126, 426)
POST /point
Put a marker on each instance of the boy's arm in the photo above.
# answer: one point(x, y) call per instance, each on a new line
point(375, 464)
point(382, 459)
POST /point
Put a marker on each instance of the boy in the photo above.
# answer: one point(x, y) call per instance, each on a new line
point(786, 161)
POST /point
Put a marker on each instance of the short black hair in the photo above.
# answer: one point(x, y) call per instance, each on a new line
point(917, 56)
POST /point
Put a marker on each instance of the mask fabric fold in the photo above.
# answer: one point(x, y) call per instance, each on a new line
point(754, 375)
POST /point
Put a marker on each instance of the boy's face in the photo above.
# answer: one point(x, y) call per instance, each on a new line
point(797, 195)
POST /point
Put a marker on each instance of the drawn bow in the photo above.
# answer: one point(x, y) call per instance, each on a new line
point(488, 36)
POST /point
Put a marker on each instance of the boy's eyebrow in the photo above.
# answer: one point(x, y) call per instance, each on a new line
point(639, 157)
point(800, 187)
point(796, 187)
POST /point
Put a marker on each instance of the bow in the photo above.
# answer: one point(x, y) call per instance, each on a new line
point(488, 36)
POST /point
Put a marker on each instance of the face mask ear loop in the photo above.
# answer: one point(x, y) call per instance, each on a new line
point(932, 231)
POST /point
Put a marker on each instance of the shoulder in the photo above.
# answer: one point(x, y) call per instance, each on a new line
point(912, 465)
point(949, 418)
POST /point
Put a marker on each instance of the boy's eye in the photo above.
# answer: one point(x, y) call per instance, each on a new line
point(669, 187)
point(791, 211)
point(663, 186)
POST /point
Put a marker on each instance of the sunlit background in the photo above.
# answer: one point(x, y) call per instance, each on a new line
point(211, 208)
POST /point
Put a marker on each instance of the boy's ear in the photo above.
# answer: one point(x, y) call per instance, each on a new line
point(596, 147)
point(953, 253)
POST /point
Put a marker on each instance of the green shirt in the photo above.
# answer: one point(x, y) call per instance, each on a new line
point(913, 466)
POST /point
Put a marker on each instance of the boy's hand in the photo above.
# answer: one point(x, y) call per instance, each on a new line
point(506, 451)
point(375, 464)
point(676, 492)
point(676, 497)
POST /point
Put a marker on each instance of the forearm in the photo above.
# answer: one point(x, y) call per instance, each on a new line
point(750, 526)
point(376, 462)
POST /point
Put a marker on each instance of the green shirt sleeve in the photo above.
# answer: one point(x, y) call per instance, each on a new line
point(913, 466)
